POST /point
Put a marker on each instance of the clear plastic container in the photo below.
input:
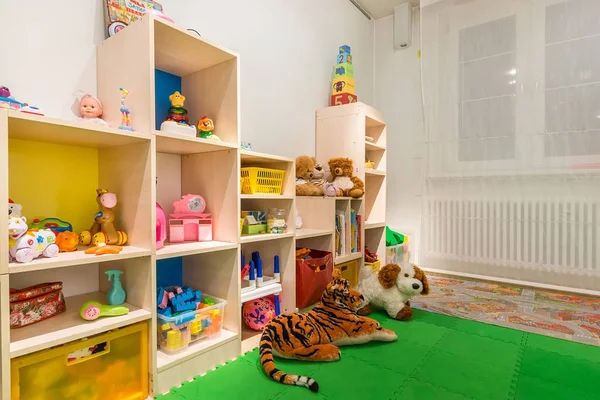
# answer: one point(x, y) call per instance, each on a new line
point(178, 332)
point(276, 220)
point(397, 254)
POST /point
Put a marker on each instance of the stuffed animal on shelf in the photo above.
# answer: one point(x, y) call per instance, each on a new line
point(26, 244)
point(391, 289)
point(319, 179)
point(305, 166)
point(14, 209)
point(345, 182)
point(103, 230)
point(206, 127)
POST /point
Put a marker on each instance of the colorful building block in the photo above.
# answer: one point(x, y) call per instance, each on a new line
point(343, 98)
point(344, 58)
point(343, 70)
point(345, 49)
point(343, 85)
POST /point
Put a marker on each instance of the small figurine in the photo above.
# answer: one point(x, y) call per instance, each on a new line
point(177, 119)
point(90, 110)
point(26, 244)
point(246, 146)
point(67, 241)
point(369, 164)
point(206, 128)
point(103, 230)
point(125, 114)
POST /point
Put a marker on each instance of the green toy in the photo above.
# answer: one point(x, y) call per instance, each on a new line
point(393, 238)
point(209, 302)
point(116, 295)
point(92, 310)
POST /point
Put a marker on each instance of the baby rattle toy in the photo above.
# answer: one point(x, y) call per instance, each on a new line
point(92, 310)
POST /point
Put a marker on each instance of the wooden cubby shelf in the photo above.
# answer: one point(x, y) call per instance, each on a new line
point(374, 172)
point(265, 237)
point(306, 233)
point(173, 143)
point(348, 257)
point(266, 197)
point(190, 248)
point(374, 225)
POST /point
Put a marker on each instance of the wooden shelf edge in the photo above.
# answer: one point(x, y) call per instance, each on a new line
point(305, 233)
point(256, 156)
point(192, 248)
point(348, 257)
point(266, 197)
point(261, 292)
point(373, 225)
point(265, 236)
point(374, 172)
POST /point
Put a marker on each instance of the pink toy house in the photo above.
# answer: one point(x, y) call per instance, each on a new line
point(189, 222)
point(161, 227)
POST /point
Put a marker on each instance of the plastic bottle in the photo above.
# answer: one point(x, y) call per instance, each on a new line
point(116, 295)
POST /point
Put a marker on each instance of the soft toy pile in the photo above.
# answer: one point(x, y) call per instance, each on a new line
point(391, 289)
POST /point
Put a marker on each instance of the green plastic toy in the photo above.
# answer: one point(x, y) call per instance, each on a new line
point(393, 238)
point(92, 310)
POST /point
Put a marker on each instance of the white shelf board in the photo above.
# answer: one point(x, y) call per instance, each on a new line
point(189, 248)
point(373, 147)
point(39, 128)
point(76, 258)
point(175, 143)
point(373, 225)
point(166, 360)
point(305, 233)
point(348, 198)
point(69, 326)
point(266, 197)
point(348, 257)
point(265, 236)
point(375, 172)
point(253, 156)
point(261, 292)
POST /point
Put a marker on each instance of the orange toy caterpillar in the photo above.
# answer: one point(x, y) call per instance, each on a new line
point(315, 335)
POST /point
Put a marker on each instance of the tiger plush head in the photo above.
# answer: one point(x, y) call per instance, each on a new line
point(340, 294)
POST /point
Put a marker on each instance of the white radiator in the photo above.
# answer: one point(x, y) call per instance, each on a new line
point(540, 234)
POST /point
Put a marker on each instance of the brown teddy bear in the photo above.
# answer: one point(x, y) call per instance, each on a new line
point(346, 184)
point(305, 166)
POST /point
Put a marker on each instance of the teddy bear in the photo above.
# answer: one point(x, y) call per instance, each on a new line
point(345, 182)
point(319, 178)
point(305, 167)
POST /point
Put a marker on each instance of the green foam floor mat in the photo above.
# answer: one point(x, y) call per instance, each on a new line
point(436, 357)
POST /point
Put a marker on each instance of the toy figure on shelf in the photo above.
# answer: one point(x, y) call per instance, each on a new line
point(116, 295)
point(92, 310)
point(9, 102)
point(26, 244)
point(369, 164)
point(67, 241)
point(14, 209)
point(90, 110)
point(103, 230)
point(206, 128)
point(103, 248)
point(343, 86)
point(188, 221)
point(177, 120)
point(246, 146)
point(125, 113)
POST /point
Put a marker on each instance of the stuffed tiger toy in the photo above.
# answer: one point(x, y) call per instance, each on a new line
point(315, 335)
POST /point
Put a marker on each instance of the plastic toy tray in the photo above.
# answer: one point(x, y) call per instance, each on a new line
point(397, 254)
point(178, 332)
point(257, 180)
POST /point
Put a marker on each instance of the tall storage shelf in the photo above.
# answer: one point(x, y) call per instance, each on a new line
point(270, 244)
point(72, 160)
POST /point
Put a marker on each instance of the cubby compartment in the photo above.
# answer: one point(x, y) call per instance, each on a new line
point(375, 192)
point(84, 158)
point(375, 241)
point(260, 160)
point(213, 274)
point(80, 285)
point(264, 205)
point(377, 157)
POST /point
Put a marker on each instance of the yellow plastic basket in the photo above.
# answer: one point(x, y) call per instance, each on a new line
point(262, 180)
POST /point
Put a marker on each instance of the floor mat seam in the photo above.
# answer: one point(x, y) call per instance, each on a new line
point(512, 392)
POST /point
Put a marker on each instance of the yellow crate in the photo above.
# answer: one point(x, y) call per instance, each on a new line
point(262, 180)
point(349, 271)
point(375, 266)
point(118, 369)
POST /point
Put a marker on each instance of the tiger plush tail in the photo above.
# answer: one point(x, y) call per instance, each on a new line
point(268, 364)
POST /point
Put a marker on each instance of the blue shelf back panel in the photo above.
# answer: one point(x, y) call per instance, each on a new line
point(169, 272)
point(165, 85)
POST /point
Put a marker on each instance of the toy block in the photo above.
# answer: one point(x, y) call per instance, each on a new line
point(180, 307)
point(343, 85)
point(345, 49)
point(164, 311)
point(343, 98)
point(343, 70)
point(344, 58)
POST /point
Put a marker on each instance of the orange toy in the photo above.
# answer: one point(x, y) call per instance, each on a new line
point(67, 241)
point(104, 249)
point(103, 230)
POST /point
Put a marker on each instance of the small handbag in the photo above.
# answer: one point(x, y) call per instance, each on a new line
point(35, 303)
point(312, 277)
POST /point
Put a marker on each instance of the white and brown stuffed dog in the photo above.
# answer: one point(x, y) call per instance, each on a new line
point(392, 288)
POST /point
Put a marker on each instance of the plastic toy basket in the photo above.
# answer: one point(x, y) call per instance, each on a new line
point(262, 180)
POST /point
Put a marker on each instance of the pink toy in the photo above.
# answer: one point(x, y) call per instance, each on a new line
point(258, 313)
point(161, 227)
point(188, 221)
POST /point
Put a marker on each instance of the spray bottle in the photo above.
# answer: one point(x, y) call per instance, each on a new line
point(116, 295)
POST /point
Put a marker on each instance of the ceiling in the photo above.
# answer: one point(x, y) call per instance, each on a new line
point(383, 8)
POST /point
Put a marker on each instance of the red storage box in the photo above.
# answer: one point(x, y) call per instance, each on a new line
point(310, 284)
point(35, 304)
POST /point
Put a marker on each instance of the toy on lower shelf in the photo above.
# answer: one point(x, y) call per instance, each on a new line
point(189, 222)
point(185, 316)
point(92, 310)
point(206, 128)
point(177, 120)
point(372, 260)
point(103, 230)
point(253, 222)
point(35, 303)
point(248, 276)
point(26, 244)
point(258, 313)
point(161, 227)
point(116, 295)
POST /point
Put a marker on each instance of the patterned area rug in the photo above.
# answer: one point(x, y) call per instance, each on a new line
point(562, 315)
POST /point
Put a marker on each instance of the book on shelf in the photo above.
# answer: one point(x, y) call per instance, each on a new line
point(340, 233)
point(353, 231)
point(360, 228)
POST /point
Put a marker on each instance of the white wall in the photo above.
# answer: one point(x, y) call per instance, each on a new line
point(398, 96)
point(287, 49)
